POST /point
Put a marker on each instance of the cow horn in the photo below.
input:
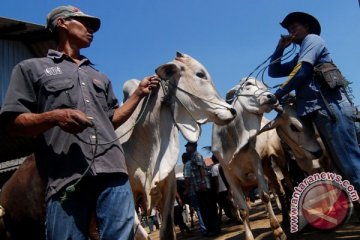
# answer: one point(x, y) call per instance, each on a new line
point(270, 125)
point(279, 109)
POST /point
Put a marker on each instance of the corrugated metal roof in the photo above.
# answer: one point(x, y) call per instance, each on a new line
point(11, 165)
point(14, 35)
point(35, 36)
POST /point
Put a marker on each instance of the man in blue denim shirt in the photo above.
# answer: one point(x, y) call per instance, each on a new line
point(328, 108)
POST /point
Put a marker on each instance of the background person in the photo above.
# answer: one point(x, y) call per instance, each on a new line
point(153, 220)
point(178, 214)
point(201, 184)
point(189, 192)
point(220, 188)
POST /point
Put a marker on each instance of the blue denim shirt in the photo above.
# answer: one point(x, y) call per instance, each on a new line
point(313, 50)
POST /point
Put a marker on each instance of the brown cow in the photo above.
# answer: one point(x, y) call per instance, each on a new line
point(23, 198)
point(25, 210)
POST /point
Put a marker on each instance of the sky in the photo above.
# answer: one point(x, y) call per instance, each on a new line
point(229, 37)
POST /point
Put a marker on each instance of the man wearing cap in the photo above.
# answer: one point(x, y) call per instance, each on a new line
point(189, 188)
point(201, 184)
point(70, 109)
point(329, 108)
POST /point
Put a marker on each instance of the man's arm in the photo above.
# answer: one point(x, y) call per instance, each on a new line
point(215, 178)
point(178, 199)
point(276, 68)
point(187, 186)
point(215, 184)
point(302, 71)
point(32, 124)
point(123, 113)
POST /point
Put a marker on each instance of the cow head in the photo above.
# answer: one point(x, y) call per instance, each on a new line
point(253, 96)
point(294, 132)
point(192, 96)
point(251, 99)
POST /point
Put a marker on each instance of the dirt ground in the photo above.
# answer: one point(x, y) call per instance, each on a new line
point(261, 229)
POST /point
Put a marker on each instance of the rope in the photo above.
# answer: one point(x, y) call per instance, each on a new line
point(165, 83)
point(285, 56)
point(70, 189)
point(203, 99)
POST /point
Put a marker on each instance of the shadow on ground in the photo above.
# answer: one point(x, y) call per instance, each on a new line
point(261, 229)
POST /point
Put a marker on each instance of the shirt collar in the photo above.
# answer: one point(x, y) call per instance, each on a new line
point(58, 56)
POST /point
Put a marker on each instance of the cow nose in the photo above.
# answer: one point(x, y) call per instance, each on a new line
point(233, 111)
point(318, 153)
point(272, 98)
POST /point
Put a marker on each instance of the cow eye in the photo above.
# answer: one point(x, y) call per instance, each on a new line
point(293, 128)
point(201, 75)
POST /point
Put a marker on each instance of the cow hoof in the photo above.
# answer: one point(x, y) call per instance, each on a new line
point(2, 211)
point(283, 237)
point(279, 234)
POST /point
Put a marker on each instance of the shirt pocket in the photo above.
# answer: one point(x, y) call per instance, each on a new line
point(58, 93)
point(101, 93)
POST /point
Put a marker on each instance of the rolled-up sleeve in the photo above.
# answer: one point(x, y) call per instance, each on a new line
point(112, 101)
point(20, 96)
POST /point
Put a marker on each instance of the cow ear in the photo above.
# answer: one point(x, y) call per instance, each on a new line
point(126, 129)
point(167, 71)
point(129, 88)
point(230, 94)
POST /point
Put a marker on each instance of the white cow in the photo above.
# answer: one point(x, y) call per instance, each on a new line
point(187, 99)
point(234, 146)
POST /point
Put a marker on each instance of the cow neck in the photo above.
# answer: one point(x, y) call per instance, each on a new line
point(169, 92)
point(247, 120)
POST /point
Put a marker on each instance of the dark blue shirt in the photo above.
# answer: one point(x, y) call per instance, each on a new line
point(313, 50)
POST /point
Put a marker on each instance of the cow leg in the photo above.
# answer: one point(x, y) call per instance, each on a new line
point(166, 206)
point(239, 197)
point(139, 231)
point(274, 223)
point(280, 193)
point(265, 197)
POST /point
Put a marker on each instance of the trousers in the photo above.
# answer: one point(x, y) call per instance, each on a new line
point(339, 136)
point(107, 197)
